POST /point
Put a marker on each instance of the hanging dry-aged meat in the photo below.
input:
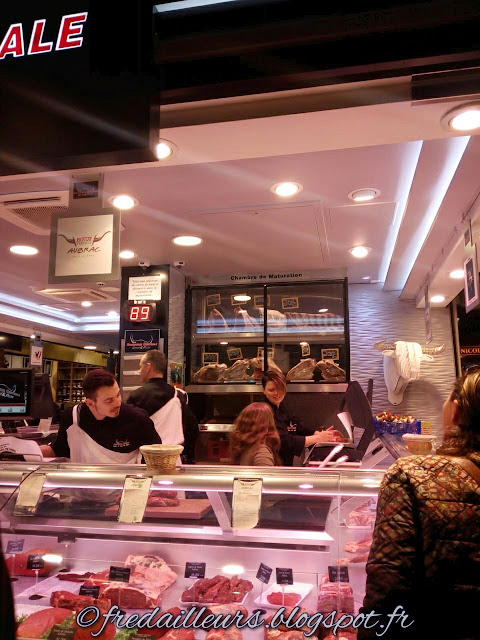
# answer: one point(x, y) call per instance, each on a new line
point(216, 322)
point(209, 373)
point(328, 370)
point(238, 371)
point(303, 370)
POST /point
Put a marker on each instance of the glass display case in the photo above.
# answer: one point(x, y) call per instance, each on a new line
point(200, 523)
point(234, 332)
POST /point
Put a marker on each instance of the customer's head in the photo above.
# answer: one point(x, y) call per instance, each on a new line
point(102, 394)
point(254, 425)
point(152, 365)
point(461, 415)
point(274, 386)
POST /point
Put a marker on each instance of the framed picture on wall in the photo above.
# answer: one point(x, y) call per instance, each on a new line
point(470, 269)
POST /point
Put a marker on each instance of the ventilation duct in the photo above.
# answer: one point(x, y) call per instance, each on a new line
point(77, 296)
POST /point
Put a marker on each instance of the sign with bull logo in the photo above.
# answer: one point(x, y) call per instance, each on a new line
point(84, 247)
point(140, 341)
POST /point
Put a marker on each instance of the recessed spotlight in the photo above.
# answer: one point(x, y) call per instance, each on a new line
point(465, 117)
point(360, 251)
point(364, 195)
point(187, 241)
point(116, 352)
point(286, 189)
point(438, 298)
point(112, 314)
point(86, 303)
point(90, 347)
point(305, 486)
point(457, 274)
point(366, 277)
point(164, 149)
point(233, 569)
point(23, 250)
point(242, 298)
point(322, 310)
point(223, 342)
point(123, 202)
point(127, 254)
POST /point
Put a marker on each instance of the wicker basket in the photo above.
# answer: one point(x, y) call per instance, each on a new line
point(161, 458)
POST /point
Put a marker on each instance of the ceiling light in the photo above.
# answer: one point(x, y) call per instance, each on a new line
point(224, 342)
point(127, 254)
point(305, 486)
point(303, 344)
point(23, 250)
point(465, 117)
point(86, 303)
point(123, 202)
point(437, 298)
point(457, 274)
point(187, 241)
point(360, 251)
point(90, 347)
point(322, 310)
point(164, 149)
point(115, 353)
point(366, 277)
point(112, 314)
point(242, 298)
point(286, 189)
point(364, 195)
point(165, 482)
point(233, 569)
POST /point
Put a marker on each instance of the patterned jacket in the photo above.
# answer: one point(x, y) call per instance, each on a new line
point(425, 554)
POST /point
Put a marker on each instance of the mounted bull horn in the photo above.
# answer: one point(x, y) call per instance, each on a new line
point(401, 365)
point(387, 346)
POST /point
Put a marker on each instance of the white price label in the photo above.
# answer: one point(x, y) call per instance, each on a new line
point(134, 499)
point(247, 499)
point(29, 494)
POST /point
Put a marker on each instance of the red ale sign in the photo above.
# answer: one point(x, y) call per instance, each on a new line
point(69, 36)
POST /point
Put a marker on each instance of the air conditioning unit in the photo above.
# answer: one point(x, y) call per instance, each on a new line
point(73, 296)
point(33, 210)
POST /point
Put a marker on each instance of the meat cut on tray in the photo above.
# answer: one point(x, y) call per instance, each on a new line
point(219, 589)
point(238, 371)
point(75, 577)
point(17, 564)
point(40, 622)
point(334, 596)
point(209, 373)
point(232, 633)
point(282, 632)
point(150, 576)
point(69, 600)
point(289, 599)
point(361, 545)
point(303, 370)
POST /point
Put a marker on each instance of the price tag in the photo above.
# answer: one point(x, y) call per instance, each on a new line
point(134, 499)
point(247, 499)
point(338, 574)
point(90, 590)
point(29, 494)
point(119, 574)
point(284, 576)
point(140, 636)
point(15, 546)
point(264, 573)
point(195, 569)
point(62, 633)
point(35, 561)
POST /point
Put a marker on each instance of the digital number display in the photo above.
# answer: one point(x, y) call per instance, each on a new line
point(140, 313)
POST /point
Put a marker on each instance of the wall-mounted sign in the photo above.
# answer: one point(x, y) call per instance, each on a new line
point(272, 276)
point(36, 356)
point(209, 358)
point(84, 247)
point(139, 341)
point(87, 189)
point(235, 353)
point(306, 350)
point(270, 352)
point(258, 301)
point(469, 351)
point(213, 299)
point(290, 303)
point(145, 288)
point(330, 354)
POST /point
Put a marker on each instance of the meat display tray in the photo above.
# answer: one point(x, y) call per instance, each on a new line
point(187, 510)
point(206, 604)
point(302, 588)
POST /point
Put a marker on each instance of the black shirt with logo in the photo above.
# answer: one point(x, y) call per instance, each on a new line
point(123, 434)
point(292, 443)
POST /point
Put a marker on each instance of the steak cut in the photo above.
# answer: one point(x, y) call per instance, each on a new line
point(75, 577)
point(219, 590)
point(68, 600)
point(209, 373)
point(18, 564)
point(284, 599)
point(42, 621)
point(328, 370)
point(303, 370)
point(238, 371)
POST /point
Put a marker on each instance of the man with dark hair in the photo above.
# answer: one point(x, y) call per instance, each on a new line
point(103, 429)
point(167, 406)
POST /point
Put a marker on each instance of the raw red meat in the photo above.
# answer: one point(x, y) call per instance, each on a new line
point(154, 494)
point(232, 633)
point(155, 632)
point(18, 564)
point(281, 632)
point(361, 545)
point(219, 589)
point(41, 621)
point(284, 599)
point(179, 634)
point(75, 577)
point(86, 633)
point(68, 600)
point(160, 501)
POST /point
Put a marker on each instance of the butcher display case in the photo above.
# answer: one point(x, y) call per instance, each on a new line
point(237, 536)
point(234, 332)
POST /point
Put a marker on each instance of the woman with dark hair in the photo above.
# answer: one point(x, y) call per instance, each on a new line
point(425, 555)
point(254, 440)
point(293, 434)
